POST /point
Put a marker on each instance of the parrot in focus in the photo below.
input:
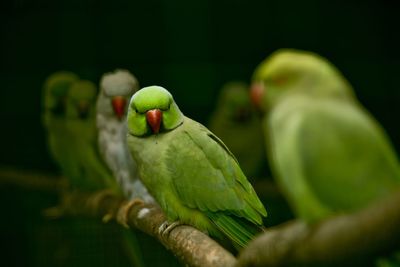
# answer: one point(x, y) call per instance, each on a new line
point(55, 91)
point(327, 152)
point(237, 124)
point(190, 172)
point(116, 89)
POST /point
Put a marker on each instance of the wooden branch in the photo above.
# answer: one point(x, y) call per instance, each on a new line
point(191, 246)
point(346, 239)
point(32, 180)
point(342, 240)
point(188, 244)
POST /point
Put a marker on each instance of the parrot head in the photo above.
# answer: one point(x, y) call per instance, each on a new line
point(116, 89)
point(288, 71)
point(152, 110)
point(81, 100)
point(55, 91)
point(234, 102)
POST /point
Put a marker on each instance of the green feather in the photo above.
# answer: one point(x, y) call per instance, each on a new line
point(240, 231)
point(190, 171)
point(55, 92)
point(328, 153)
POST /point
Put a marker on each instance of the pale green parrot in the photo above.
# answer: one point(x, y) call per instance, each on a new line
point(55, 91)
point(190, 172)
point(237, 124)
point(87, 169)
point(69, 118)
point(328, 153)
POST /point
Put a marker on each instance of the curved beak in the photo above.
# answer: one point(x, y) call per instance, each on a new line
point(154, 117)
point(118, 104)
point(256, 94)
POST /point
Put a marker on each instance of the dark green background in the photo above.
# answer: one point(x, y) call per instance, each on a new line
point(189, 47)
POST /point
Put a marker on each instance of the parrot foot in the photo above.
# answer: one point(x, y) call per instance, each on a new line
point(123, 212)
point(166, 227)
point(97, 198)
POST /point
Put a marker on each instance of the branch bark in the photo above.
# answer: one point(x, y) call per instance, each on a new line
point(188, 244)
point(345, 239)
point(32, 180)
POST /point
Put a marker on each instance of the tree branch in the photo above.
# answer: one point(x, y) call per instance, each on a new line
point(345, 239)
point(188, 244)
point(32, 180)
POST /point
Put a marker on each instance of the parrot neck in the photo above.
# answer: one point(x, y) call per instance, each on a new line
point(332, 86)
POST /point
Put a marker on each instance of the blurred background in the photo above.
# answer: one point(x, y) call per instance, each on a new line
point(189, 47)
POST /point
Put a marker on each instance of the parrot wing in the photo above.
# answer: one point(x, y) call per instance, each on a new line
point(330, 155)
point(96, 168)
point(95, 174)
point(211, 180)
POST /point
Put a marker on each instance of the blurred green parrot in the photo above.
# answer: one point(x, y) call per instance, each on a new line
point(55, 91)
point(190, 172)
point(237, 124)
point(327, 152)
point(88, 171)
point(84, 166)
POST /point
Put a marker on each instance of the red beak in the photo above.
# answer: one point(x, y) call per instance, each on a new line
point(154, 117)
point(256, 94)
point(118, 103)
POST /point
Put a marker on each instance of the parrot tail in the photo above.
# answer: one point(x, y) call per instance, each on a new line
point(238, 230)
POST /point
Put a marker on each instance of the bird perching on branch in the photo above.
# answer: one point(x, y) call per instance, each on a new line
point(327, 151)
point(190, 172)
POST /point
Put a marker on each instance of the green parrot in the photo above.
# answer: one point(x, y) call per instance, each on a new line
point(237, 124)
point(190, 172)
point(87, 169)
point(69, 118)
point(55, 91)
point(328, 154)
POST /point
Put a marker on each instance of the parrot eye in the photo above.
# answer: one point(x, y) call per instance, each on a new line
point(134, 108)
point(169, 106)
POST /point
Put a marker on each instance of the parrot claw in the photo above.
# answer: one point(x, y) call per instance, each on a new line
point(95, 201)
point(123, 212)
point(106, 218)
point(166, 227)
